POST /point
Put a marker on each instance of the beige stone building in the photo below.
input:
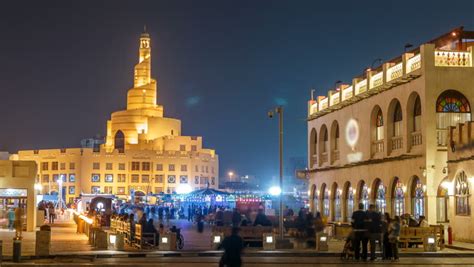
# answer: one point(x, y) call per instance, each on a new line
point(143, 151)
point(455, 189)
point(382, 138)
point(17, 189)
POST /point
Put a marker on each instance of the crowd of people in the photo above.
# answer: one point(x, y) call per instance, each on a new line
point(371, 227)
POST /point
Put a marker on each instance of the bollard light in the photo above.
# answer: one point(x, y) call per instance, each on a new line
point(112, 239)
point(164, 240)
point(269, 241)
point(429, 243)
point(217, 239)
point(321, 242)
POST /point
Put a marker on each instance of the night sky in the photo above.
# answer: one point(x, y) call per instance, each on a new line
point(220, 65)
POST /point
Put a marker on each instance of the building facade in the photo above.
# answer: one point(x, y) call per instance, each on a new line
point(17, 190)
point(455, 189)
point(143, 151)
point(383, 138)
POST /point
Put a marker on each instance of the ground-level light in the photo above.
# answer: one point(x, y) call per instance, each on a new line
point(275, 190)
point(184, 189)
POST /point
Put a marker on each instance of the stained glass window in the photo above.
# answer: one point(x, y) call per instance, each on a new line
point(418, 199)
point(380, 198)
point(325, 201)
point(364, 196)
point(350, 203)
point(452, 101)
point(337, 206)
point(399, 199)
point(462, 195)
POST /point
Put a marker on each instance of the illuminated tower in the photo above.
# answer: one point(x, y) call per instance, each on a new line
point(143, 93)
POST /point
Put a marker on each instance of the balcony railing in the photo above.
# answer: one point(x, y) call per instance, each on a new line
point(453, 59)
point(378, 146)
point(314, 161)
point(413, 63)
point(324, 157)
point(336, 154)
point(376, 80)
point(442, 136)
point(397, 142)
point(395, 72)
point(416, 139)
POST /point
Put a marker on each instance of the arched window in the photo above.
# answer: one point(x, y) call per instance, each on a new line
point(325, 198)
point(418, 198)
point(315, 199)
point(313, 147)
point(380, 202)
point(119, 141)
point(337, 205)
point(397, 120)
point(417, 115)
point(349, 203)
point(379, 126)
point(452, 108)
point(398, 198)
point(462, 195)
point(325, 140)
point(364, 196)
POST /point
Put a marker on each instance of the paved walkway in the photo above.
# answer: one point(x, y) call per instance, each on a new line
point(63, 239)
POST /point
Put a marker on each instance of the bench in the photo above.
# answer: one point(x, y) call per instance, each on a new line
point(248, 233)
point(142, 239)
point(415, 235)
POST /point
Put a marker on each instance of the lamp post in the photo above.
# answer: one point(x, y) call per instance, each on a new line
point(279, 110)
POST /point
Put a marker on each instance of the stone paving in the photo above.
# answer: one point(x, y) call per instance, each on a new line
point(66, 241)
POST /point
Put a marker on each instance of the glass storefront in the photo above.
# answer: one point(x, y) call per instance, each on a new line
point(10, 200)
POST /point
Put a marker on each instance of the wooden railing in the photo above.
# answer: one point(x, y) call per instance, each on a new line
point(378, 146)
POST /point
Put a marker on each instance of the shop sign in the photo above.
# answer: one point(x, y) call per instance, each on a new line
point(13, 192)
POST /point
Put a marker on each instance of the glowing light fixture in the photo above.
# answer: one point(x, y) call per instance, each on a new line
point(274, 190)
point(184, 189)
point(164, 240)
point(112, 239)
point(431, 240)
point(217, 239)
point(38, 187)
point(269, 239)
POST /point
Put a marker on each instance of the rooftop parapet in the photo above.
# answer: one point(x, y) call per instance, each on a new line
point(396, 71)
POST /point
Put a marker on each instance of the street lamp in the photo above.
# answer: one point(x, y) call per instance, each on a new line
point(270, 114)
point(231, 173)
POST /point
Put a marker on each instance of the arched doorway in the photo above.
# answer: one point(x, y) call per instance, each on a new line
point(398, 197)
point(119, 141)
point(313, 148)
point(418, 197)
point(442, 198)
point(452, 108)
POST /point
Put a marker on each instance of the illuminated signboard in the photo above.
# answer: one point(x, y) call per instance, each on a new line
point(13, 192)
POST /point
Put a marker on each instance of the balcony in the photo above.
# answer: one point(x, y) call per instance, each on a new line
point(416, 139)
point(453, 59)
point(314, 161)
point(335, 154)
point(324, 157)
point(377, 146)
point(397, 142)
point(442, 137)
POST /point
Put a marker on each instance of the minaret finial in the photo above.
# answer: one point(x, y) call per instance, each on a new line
point(144, 28)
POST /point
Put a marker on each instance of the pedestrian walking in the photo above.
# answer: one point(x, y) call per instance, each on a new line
point(387, 248)
point(394, 235)
point(11, 219)
point(233, 246)
point(359, 218)
point(374, 229)
point(52, 214)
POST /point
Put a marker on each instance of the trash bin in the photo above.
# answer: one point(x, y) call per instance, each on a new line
point(321, 242)
point(119, 241)
point(16, 250)
point(43, 243)
point(167, 241)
